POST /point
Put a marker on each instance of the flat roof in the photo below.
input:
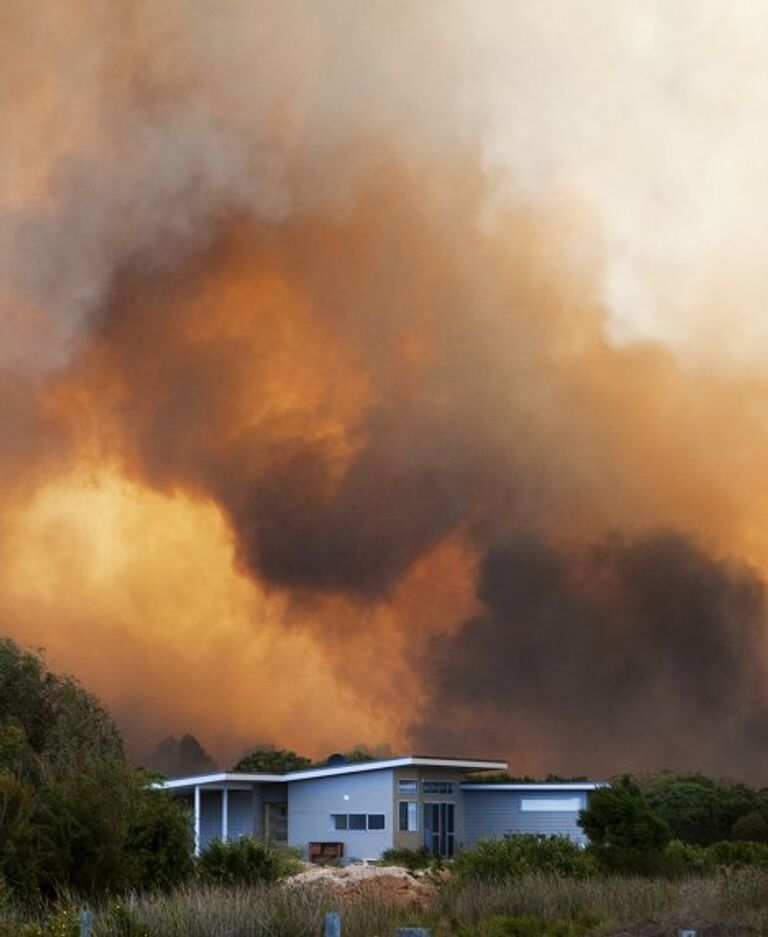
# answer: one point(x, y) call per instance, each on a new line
point(542, 786)
point(308, 774)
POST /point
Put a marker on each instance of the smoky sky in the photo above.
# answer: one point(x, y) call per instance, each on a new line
point(398, 356)
point(639, 652)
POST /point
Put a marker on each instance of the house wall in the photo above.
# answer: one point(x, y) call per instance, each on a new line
point(240, 814)
point(490, 813)
point(311, 803)
point(415, 840)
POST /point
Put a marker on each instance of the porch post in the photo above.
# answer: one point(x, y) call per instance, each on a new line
point(224, 815)
point(197, 819)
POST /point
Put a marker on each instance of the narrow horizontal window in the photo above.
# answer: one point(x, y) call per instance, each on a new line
point(357, 821)
point(408, 786)
point(437, 787)
point(550, 804)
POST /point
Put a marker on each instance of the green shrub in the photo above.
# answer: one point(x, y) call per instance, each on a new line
point(739, 855)
point(411, 859)
point(247, 861)
point(159, 841)
point(119, 920)
point(515, 856)
point(686, 859)
point(751, 827)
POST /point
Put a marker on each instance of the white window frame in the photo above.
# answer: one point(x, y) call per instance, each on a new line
point(551, 804)
point(413, 787)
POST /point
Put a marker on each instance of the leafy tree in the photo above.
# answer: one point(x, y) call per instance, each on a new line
point(74, 814)
point(699, 809)
point(751, 827)
point(272, 761)
point(175, 757)
point(18, 856)
point(362, 753)
point(619, 817)
point(159, 841)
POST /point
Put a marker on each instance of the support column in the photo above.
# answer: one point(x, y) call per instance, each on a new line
point(197, 819)
point(224, 815)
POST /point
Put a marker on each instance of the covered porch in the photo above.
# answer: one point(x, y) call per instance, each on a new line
point(229, 807)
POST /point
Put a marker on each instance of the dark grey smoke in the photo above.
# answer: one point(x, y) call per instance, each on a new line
point(387, 512)
point(643, 654)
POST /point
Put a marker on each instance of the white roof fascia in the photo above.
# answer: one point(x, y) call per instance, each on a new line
point(310, 773)
point(411, 761)
point(554, 786)
point(227, 777)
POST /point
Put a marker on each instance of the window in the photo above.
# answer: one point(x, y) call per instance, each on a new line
point(358, 821)
point(408, 786)
point(553, 804)
point(408, 816)
point(437, 787)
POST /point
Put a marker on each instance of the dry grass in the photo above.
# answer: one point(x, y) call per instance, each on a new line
point(734, 904)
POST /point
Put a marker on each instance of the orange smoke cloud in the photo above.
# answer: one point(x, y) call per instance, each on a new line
point(311, 436)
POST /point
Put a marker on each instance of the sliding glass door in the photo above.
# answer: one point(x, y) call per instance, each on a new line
point(439, 828)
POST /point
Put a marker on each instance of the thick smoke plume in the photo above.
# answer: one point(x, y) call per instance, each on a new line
point(344, 396)
point(652, 647)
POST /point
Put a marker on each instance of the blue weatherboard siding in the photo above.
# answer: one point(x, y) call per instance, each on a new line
point(490, 813)
point(311, 804)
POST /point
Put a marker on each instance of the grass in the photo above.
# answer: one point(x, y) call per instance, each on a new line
point(534, 906)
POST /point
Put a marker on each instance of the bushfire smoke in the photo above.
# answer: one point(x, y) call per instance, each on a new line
point(379, 372)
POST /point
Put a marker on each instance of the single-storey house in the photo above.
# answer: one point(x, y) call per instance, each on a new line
point(358, 810)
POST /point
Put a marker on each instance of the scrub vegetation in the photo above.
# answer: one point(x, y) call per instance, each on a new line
point(531, 906)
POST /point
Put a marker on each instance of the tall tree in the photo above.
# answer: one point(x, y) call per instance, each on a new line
point(73, 811)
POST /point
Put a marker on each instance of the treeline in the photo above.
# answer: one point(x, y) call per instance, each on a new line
point(671, 824)
point(266, 759)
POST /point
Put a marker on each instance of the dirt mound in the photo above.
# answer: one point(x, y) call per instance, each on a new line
point(382, 884)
